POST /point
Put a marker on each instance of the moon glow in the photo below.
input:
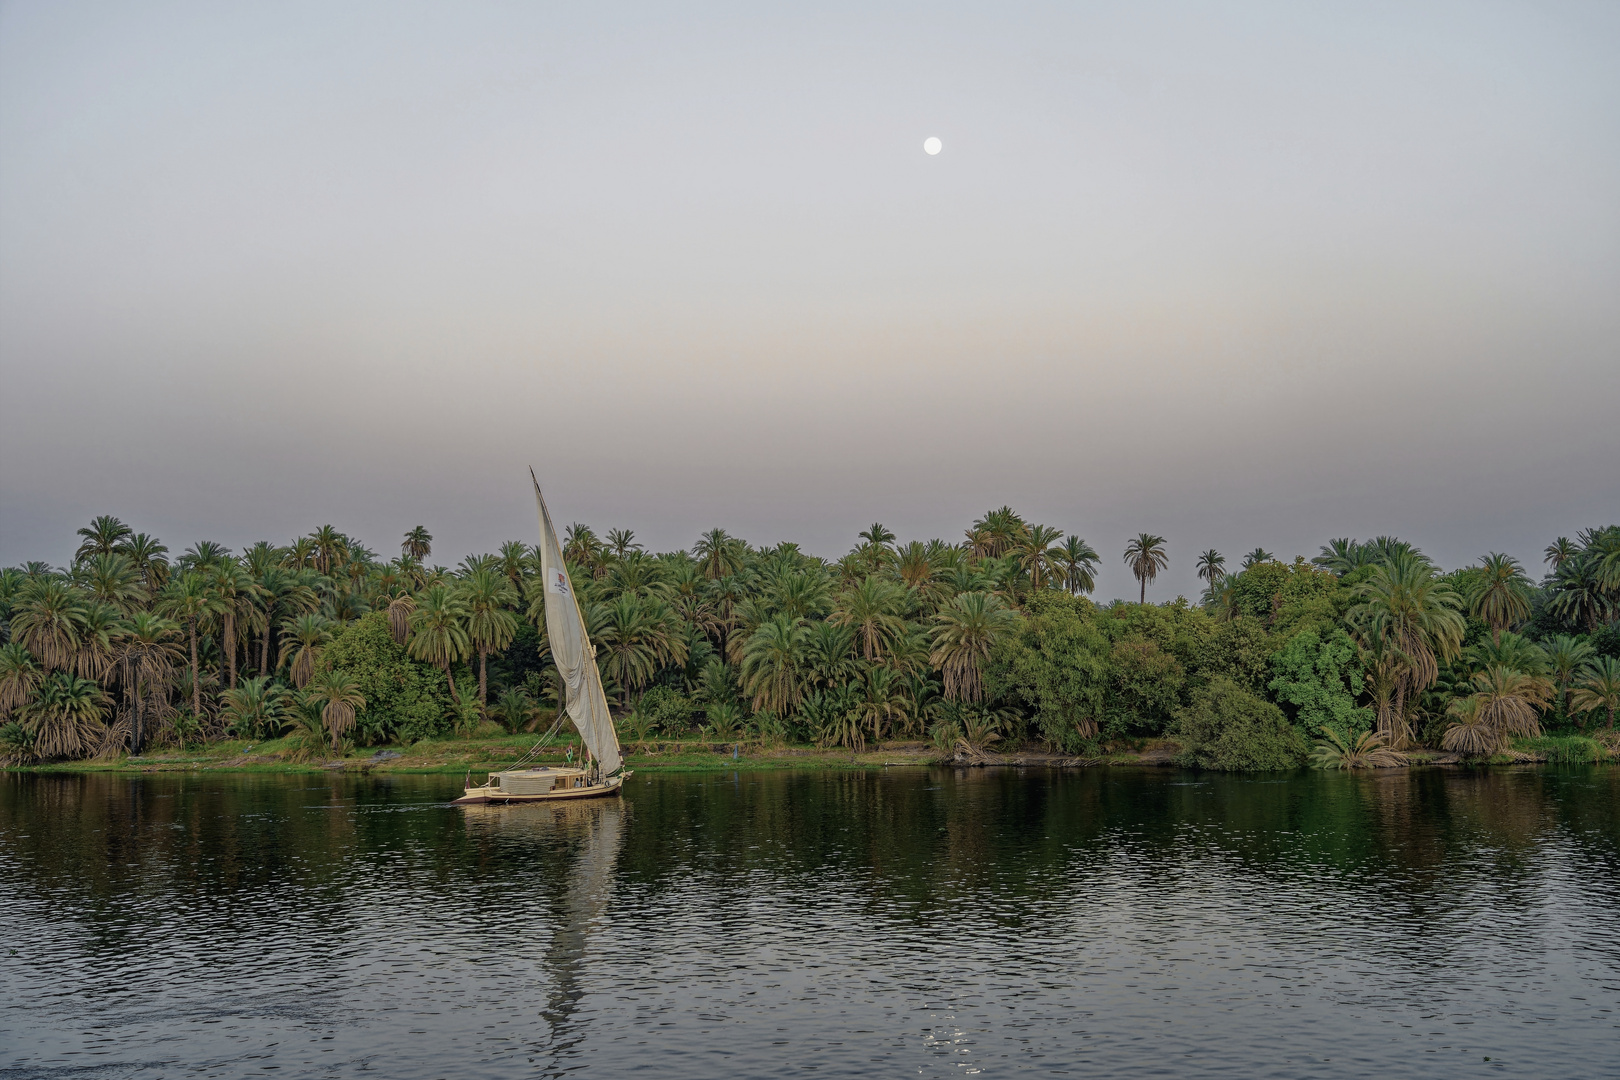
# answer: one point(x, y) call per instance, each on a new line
point(932, 145)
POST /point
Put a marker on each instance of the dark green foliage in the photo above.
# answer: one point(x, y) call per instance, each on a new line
point(671, 711)
point(405, 700)
point(1055, 667)
point(1240, 650)
point(1146, 685)
point(1227, 728)
point(1319, 676)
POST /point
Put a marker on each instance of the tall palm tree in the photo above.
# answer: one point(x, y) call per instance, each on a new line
point(1211, 566)
point(438, 630)
point(1559, 552)
point(1256, 557)
point(1410, 619)
point(993, 535)
point(280, 593)
point(1599, 687)
point(881, 700)
point(773, 662)
point(98, 633)
point(490, 626)
point(1076, 565)
point(1146, 556)
point(718, 554)
point(1035, 553)
point(103, 537)
point(302, 639)
point(418, 544)
point(515, 562)
point(622, 542)
point(1499, 595)
point(148, 652)
point(331, 548)
point(150, 557)
point(338, 696)
point(203, 554)
point(1579, 594)
point(192, 602)
point(582, 548)
point(965, 631)
point(878, 536)
point(238, 596)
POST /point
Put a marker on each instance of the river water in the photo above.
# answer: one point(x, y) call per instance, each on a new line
point(916, 922)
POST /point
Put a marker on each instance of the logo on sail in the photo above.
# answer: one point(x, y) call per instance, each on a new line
point(559, 582)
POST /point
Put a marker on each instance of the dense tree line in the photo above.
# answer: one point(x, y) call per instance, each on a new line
point(1364, 651)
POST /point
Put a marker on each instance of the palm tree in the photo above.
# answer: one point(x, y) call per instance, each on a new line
point(515, 561)
point(331, 548)
point(438, 630)
point(190, 601)
point(622, 542)
point(490, 626)
point(872, 609)
point(47, 620)
point(1499, 594)
point(149, 557)
point(339, 698)
point(302, 638)
point(1076, 564)
point(513, 709)
point(878, 536)
point(1599, 687)
point(148, 652)
point(583, 549)
point(203, 554)
point(1409, 619)
point(882, 700)
point(97, 633)
point(633, 639)
point(112, 579)
point(418, 544)
point(1565, 657)
point(1211, 566)
point(964, 633)
point(1579, 594)
point(19, 678)
point(1505, 703)
point(993, 535)
point(238, 596)
point(1559, 552)
point(718, 554)
point(103, 537)
point(256, 708)
point(66, 716)
point(1256, 557)
point(773, 659)
point(1146, 556)
point(1035, 552)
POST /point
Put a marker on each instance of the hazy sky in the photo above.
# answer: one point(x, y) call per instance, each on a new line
point(1237, 274)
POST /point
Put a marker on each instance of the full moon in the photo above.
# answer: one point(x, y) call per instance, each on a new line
point(931, 145)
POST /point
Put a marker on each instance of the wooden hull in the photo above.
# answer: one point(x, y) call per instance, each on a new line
point(477, 795)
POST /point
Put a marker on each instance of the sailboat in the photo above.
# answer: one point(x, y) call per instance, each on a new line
point(602, 772)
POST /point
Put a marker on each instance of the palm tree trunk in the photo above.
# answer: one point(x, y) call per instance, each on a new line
point(1144, 590)
point(450, 678)
point(483, 678)
point(228, 643)
point(264, 647)
point(196, 682)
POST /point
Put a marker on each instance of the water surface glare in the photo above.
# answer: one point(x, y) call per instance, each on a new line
point(919, 922)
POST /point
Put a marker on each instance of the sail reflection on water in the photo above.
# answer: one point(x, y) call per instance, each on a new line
point(593, 834)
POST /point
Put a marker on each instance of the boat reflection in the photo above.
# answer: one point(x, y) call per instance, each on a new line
point(592, 833)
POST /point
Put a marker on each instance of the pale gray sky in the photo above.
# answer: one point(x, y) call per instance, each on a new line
point(1237, 274)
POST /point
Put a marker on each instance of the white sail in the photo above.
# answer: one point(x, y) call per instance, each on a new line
point(572, 651)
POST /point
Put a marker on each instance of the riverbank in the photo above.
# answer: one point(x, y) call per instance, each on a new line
point(482, 754)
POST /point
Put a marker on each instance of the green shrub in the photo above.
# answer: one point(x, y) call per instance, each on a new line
point(1565, 749)
point(670, 711)
point(1318, 675)
point(405, 700)
point(1225, 727)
